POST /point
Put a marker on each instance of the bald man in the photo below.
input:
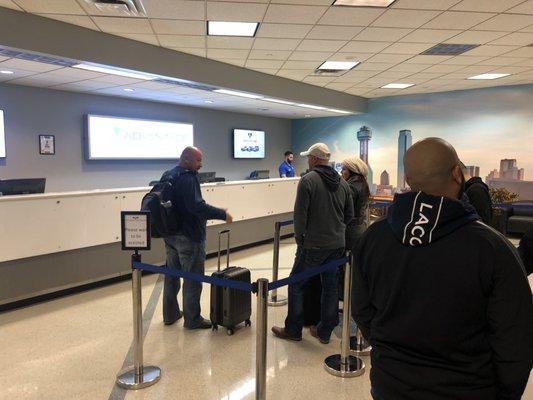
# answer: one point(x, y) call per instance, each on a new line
point(186, 250)
point(442, 298)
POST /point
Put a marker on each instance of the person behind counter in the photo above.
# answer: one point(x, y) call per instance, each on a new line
point(286, 170)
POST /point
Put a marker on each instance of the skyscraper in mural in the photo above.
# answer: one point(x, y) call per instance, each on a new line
point(364, 134)
point(404, 142)
point(473, 170)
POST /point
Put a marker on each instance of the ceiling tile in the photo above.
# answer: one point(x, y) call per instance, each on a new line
point(341, 86)
point(51, 7)
point(150, 39)
point(430, 35)
point(197, 52)
point(442, 68)
point(181, 41)
point(425, 4)
point(427, 59)
point(458, 20)
point(522, 52)
point(294, 14)
point(319, 56)
point(178, 27)
point(464, 60)
point(407, 48)
point(488, 50)
point(334, 32)
point(503, 61)
point(123, 25)
point(320, 45)
point(358, 91)
point(524, 8)
point(406, 67)
point(476, 37)
point(269, 54)
point(272, 64)
point(283, 31)
point(516, 39)
point(341, 56)
point(242, 12)
point(227, 54)
point(486, 5)
point(294, 74)
point(84, 85)
point(79, 20)
point(318, 80)
point(17, 73)
point(28, 65)
point(269, 71)
point(506, 22)
point(475, 69)
point(307, 65)
point(225, 42)
point(389, 58)
point(117, 80)
point(524, 62)
point(368, 66)
point(304, 2)
point(77, 74)
point(373, 34)
point(239, 62)
point(175, 9)
point(364, 47)
point(509, 70)
point(9, 4)
point(404, 18)
point(393, 74)
point(275, 44)
point(351, 16)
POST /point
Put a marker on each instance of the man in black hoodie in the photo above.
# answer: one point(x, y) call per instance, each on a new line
point(478, 195)
point(322, 210)
point(443, 298)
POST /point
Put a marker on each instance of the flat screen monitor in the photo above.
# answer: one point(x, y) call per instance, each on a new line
point(2, 136)
point(248, 143)
point(113, 138)
point(11, 187)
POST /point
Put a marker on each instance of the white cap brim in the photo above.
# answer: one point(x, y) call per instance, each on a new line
point(304, 153)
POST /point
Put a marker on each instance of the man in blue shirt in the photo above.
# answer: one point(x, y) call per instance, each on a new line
point(286, 170)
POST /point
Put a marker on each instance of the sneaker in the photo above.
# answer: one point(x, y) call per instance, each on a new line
point(203, 324)
point(280, 333)
point(313, 332)
point(180, 315)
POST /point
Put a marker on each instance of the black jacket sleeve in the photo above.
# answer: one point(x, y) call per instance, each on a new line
point(510, 316)
point(480, 199)
point(362, 309)
point(193, 201)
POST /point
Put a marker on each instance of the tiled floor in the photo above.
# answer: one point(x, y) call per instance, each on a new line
point(72, 348)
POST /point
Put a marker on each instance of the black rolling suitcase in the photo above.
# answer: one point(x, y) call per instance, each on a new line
point(230, 307)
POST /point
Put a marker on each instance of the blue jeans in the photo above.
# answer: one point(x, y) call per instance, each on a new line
point(307, 259)
point(184, 254)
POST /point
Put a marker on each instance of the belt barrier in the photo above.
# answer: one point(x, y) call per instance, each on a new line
point(286, 223)
point(247, 287)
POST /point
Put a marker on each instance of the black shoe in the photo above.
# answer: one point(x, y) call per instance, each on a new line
point(314, 333)
point(180, 315)
point(204, 324)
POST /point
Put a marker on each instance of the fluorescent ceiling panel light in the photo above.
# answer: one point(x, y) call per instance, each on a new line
point(209, 101)
point(397, 85)
point(338, 111)
point(289, 103)
point(488, 76)
point(221, 28)
point(6, 72)
point(240, 94)
point(338, 65)
point(129, 90)
point(311, 106)
point(115, 71)
point(364, 3)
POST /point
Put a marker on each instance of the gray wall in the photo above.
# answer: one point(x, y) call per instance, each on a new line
point(32, 111)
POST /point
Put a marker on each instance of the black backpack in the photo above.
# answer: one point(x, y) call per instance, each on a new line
point(164, 218)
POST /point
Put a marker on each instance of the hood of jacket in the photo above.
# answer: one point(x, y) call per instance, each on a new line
point(419, 219)
point(330, 177)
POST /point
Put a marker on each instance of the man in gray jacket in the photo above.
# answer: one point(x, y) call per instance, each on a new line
point(322, 210)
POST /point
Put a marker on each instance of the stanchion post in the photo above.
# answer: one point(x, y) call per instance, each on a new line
point(140, 376)
point(359, 346)
point(275, 299)
point(261, 339)
point(345, 365)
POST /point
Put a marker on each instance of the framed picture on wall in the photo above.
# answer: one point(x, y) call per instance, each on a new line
point(47, 144)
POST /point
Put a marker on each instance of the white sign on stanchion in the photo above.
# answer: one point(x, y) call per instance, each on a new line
point(135, 226)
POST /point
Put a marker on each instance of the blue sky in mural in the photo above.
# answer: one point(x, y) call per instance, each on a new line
point(484, 126)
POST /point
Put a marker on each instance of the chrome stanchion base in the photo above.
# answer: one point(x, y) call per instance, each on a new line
point(128, 380)
point(276, 301)
point(353, 367)
point(359, 346)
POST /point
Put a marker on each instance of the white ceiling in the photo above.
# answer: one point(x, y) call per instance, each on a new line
point(296, 36)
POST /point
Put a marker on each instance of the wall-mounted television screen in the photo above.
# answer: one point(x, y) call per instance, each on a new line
point(113, 138)
point(248, 143)
point(2, 136)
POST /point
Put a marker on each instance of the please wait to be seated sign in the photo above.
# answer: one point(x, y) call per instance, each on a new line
point(135, 228)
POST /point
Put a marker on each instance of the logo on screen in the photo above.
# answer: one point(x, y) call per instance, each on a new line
point(250, 134)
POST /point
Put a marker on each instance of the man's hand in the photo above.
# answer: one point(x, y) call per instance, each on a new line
point(229, 218)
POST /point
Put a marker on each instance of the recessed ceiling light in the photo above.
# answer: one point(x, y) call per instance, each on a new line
point(397, 85)
point(115, 71)
point(240, 94)
point(338, 111)
point(222, 28)
point(363, 3)
point(129, 90)
point(488, 76)
point(6, 72)
point(338, 65)
point(311, 106)
point(289, 103)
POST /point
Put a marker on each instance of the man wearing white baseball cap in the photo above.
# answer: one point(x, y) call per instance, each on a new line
point(322, 210)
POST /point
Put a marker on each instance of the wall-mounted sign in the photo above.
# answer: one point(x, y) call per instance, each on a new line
point(47, 144)
point(135, 228)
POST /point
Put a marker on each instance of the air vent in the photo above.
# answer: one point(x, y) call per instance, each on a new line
point(119, 7)
point(448, 49)
point(184, 83)
point(7, 52)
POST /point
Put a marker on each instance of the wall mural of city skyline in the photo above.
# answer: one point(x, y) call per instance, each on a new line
point(484, 125)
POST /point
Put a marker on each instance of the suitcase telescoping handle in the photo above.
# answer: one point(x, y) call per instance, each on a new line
point(225, 231)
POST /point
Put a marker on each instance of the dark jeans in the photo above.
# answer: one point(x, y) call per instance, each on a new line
point(307, 259)
point(375, 395)
point(184, 254)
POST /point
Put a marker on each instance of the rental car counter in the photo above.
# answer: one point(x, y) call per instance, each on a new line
point(57, 241)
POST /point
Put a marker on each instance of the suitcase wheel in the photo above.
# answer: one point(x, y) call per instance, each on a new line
point(247, 323)
point(230, 331)
point(214, 327)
